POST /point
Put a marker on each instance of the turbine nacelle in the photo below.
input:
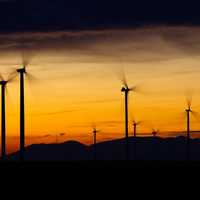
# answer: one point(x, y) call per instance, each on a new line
point(125, 89)
point(189, 104)
point(95, 131)
point(136, 123)
point(155, 132)
point(22, 70)
point(188, 110)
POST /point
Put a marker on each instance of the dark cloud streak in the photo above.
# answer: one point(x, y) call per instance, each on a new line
point(138, 45)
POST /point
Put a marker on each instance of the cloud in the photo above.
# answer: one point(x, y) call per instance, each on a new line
point(138, 45)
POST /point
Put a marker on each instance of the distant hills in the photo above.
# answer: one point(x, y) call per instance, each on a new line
point(141, 148)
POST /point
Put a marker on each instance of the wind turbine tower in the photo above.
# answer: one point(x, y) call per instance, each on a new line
point(188, 111)
point(22, 72)
point(95, 131)
point(125, 89)
point(3, 84)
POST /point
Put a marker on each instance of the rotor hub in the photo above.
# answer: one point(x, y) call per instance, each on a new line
point(188, 110)
point(125, 89)
point(21, 70)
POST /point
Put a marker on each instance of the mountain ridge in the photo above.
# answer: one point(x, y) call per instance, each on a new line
point(141, 148)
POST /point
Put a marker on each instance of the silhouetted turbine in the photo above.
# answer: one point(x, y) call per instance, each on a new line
point(3, 84)
point(155, 132)
point(125, 89)
point(22, 72)
point(26, 55)
point(188, 111)
point(95, 131)
point(135, 124)
point(155, 147)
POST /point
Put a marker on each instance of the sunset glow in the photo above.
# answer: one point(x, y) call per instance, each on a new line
point(77, 82)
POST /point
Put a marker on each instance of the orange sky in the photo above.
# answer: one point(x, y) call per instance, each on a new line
point(78, 81)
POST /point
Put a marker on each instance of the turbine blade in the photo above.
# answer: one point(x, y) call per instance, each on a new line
point(124, 81)
point(136, 122)
point(196, 115)
point(189, 102)
point(12, 76)
point(26, 52)
point(139, 90)
point(31, 77)
point(122, 76)
point(139, 122)
point(189, 95)
point(135, 89)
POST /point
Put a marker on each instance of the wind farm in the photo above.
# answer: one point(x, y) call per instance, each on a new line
point(79, 84)
point(135, 125)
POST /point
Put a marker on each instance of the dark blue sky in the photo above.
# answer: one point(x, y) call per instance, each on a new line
point(85, 14)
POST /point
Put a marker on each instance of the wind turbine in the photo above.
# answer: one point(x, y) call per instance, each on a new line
point(95, 131)
point(22, 71)
point(135, 124)
point(155, 132)
point(188, 110)
point(155, 143)
point(3, 84)
point(125, 89)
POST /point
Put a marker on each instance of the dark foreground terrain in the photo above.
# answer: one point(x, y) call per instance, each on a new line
point(141, 149)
